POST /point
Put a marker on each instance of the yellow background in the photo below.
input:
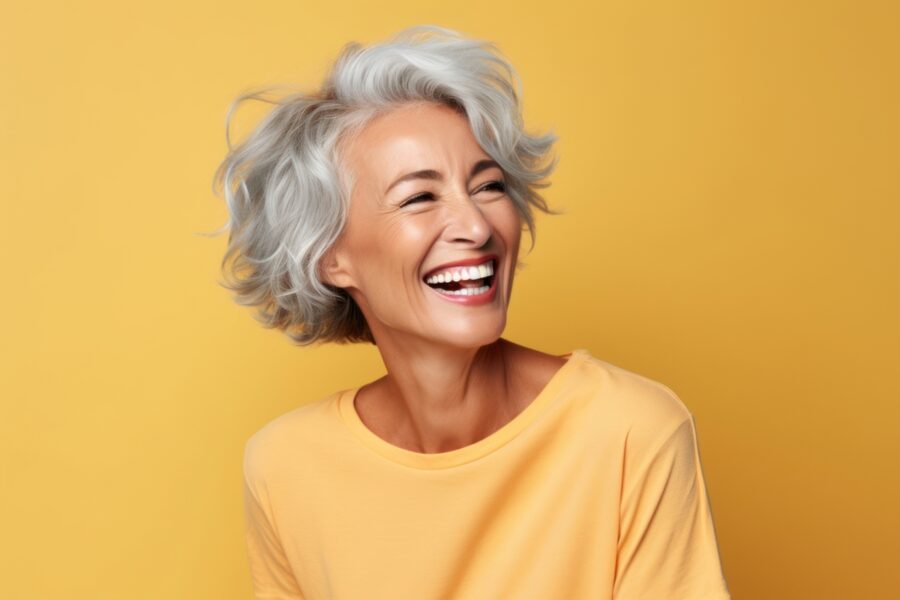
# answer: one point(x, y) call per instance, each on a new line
point(730, 176)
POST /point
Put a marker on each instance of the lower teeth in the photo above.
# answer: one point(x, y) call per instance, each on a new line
point(465, 291)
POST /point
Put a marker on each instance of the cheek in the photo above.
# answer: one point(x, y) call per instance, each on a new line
point(508, 221)
point(375, 237)
point(405, 240)
point(392, 251)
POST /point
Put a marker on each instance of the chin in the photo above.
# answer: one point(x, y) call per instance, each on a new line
point(473, 334)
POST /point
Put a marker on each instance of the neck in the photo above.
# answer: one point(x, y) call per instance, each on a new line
point(438, 399)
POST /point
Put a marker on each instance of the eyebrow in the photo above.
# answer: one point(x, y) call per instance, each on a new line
point(477, 168)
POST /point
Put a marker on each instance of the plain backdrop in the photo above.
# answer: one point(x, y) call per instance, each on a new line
point(729, 173)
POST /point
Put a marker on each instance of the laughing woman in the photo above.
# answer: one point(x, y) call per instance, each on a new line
point(387, 208)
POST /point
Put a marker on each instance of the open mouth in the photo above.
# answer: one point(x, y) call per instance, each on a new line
point(465, 287)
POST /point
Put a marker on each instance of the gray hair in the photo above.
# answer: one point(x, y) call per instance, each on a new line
point(288, 194)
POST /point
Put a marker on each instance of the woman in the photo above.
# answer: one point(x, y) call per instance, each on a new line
point(388, 208)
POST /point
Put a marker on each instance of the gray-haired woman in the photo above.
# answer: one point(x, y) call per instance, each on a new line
point(387, 207)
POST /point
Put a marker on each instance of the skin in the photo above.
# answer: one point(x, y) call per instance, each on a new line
point(451, 379)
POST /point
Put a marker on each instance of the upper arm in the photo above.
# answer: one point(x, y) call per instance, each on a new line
point(667, 544)
point(270, 571)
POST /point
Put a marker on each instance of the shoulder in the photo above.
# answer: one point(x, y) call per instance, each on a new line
point(628, 402)
point(282, 439)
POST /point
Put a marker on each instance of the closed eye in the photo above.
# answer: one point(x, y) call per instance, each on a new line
point(495, 185)
point(499, 186)
point(424, 196)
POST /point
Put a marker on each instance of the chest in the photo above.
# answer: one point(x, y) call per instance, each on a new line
point(540, 525)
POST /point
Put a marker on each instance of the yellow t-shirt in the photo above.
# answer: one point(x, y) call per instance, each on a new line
point(594, 490)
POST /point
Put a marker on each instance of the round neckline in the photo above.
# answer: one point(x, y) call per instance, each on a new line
point(459, 456)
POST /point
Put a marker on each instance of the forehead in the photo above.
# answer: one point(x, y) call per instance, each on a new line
point(412, 136)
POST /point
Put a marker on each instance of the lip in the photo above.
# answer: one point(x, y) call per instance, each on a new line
point(484, 298)
point(464, 263)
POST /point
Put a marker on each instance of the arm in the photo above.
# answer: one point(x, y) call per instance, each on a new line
point(270, 570)
point(667, 542)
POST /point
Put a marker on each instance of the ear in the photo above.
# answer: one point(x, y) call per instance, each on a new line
point(332, 268)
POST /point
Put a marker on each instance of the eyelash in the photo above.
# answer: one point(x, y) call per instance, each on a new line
point(500, 186)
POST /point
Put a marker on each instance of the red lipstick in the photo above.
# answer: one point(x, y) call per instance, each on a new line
point(468, 300)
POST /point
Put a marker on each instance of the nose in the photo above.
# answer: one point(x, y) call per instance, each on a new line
point(465, 222)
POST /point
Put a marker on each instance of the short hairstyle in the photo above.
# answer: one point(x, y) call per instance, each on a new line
point(288, 195)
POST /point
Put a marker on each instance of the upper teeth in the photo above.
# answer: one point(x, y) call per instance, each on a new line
point(462, 273)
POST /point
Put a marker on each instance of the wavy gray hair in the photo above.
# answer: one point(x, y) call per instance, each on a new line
point(288, 195)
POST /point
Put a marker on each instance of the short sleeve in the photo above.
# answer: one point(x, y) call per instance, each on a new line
point(270, 571)
point(667, 544)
